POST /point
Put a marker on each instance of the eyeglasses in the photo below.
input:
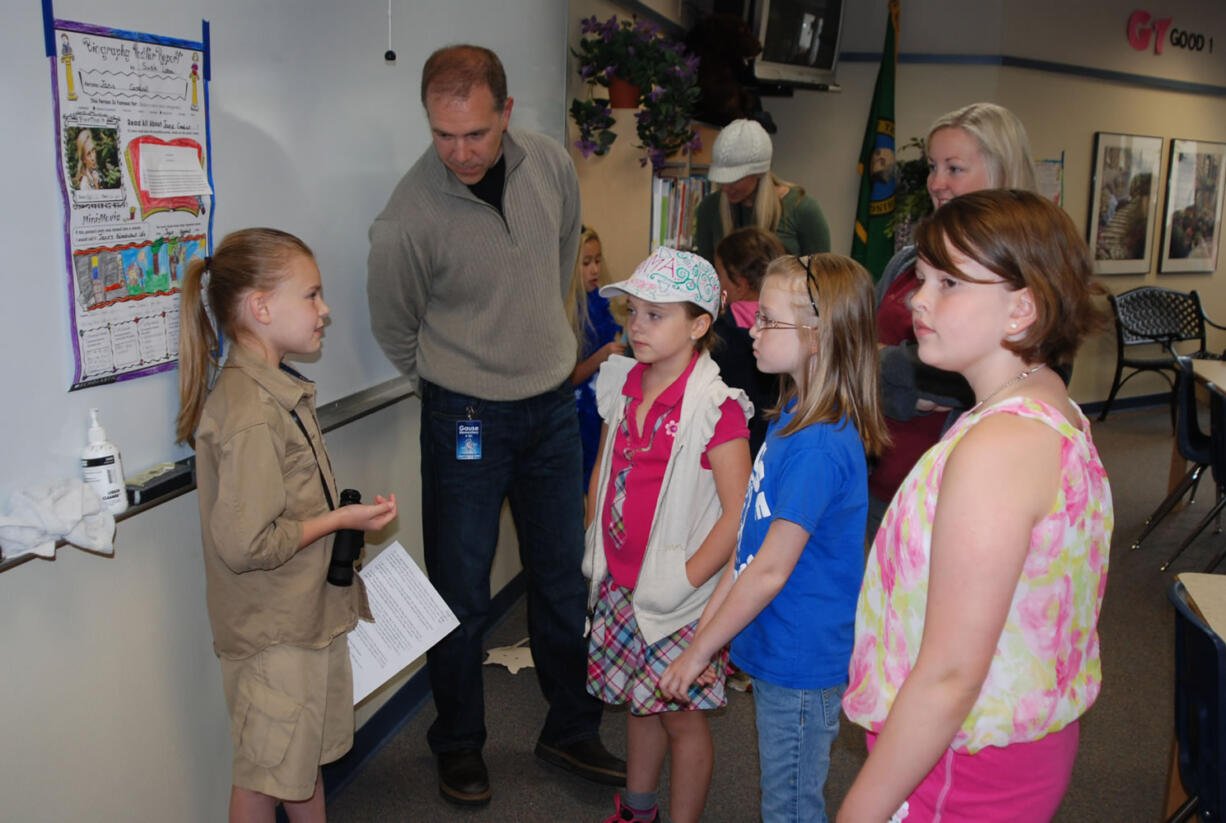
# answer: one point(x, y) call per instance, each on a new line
point(764, 323)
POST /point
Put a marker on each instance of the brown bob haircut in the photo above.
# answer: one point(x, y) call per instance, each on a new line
point(453, 71)
point(1031, 244)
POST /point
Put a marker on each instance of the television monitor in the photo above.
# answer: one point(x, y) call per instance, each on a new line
point(800, 41)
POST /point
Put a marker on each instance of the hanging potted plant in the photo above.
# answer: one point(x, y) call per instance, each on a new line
point(641, 68)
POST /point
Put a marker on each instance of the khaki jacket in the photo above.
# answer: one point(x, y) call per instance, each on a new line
point(258, 480)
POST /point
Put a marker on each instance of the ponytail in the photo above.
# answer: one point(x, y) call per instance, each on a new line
point(198, 348)
point(244, 261)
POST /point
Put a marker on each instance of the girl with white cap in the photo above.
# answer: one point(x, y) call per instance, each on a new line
point(662, 513)
point(750, 194)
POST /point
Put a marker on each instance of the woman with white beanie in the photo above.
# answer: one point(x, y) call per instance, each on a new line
point(751, 195)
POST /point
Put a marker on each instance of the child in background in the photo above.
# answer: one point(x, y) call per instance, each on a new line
point(597, 332)
point(976, 643)
point(741, 259)
point(266, 512)
point(673, 464)
point(788, 600)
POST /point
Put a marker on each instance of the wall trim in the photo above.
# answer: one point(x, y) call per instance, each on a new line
point(1129, 78)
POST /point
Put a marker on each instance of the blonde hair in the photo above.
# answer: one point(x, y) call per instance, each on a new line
point(85, 144)
point(767, 206)
point(1002, 141)
point(244, 261)
point(840, 376)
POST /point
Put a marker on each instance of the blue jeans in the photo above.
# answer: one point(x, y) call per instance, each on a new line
point(531, 456)
point(796, 728)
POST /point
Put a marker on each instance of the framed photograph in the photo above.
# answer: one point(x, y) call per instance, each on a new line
point(1123, 200)
point(1193, 211)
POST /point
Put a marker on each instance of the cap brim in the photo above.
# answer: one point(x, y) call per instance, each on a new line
point(731, 174)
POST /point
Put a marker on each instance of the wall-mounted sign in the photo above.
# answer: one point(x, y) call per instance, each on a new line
point(1144, 28)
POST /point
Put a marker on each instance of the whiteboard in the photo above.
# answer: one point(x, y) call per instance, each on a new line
point(311, 130)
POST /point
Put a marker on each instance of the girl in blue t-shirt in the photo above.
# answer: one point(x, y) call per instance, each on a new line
point(597, 331)
point(789, 603)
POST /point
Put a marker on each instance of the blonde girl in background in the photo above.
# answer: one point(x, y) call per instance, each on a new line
point(267, 518)
point(788, 598)
point(673, 463)
point(976, 641)
point(597, 331)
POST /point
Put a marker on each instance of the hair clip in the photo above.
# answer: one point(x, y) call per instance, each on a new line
point(208, 262)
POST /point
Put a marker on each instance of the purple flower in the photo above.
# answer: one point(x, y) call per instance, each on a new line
point(696, 144)
point(585, 146)
point(589, 24)
point(657, 159)
point(656, 93)
point(692, 62)
point(608, 72)
point(585, 71)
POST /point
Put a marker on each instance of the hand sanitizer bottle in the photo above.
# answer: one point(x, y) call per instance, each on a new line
point(101, 468)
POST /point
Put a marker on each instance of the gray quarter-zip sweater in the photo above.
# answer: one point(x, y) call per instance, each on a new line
point(472, 299)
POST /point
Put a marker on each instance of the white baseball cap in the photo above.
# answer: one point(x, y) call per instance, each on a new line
point(671, 276)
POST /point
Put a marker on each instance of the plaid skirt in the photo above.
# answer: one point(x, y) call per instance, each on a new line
point(622, 668)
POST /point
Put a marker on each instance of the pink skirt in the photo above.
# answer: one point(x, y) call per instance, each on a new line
point(1018, 783)
point(623, 668)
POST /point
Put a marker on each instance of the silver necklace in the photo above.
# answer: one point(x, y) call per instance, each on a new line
point(1012, 380)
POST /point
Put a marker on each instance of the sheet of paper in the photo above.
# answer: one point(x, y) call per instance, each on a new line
point(172, 171)
point(410, 617)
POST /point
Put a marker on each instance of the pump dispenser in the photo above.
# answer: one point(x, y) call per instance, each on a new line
point(101, 468)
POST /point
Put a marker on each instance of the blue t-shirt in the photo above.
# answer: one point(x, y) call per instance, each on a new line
point(816, 478)
point(601, 329)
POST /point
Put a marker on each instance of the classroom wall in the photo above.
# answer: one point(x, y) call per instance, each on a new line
point(111, 706)
point(819, 133)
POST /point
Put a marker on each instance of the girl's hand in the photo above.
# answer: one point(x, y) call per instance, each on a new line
point(609, 349)
point(370, 517)
point(708, 676)
point(676, 680)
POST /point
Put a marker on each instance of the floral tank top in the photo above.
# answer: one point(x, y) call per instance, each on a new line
point(1046, 670)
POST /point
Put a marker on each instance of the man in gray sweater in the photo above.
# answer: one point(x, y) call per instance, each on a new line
point(469, 266)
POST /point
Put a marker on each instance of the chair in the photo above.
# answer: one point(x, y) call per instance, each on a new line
point(1200, 710)
point(1217, 461)
point(1148, 315)
point(1194, 446)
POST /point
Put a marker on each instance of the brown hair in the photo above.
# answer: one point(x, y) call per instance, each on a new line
point(453, 71)
point(244, 261)
point(746, 253)
point(1031, 243)
point(840, 377)
point(709, 339)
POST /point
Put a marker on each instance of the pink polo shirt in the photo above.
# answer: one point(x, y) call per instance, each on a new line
point(648, 456)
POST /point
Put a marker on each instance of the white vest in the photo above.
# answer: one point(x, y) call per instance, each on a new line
point(686, 511)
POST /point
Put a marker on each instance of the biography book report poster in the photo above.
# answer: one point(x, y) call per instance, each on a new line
point(132, 133)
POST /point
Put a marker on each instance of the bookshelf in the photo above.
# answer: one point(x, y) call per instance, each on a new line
point(618, 193)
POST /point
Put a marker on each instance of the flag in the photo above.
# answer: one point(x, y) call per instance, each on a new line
point(871, 246)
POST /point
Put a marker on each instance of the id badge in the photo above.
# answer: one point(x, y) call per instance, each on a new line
point(468, 440)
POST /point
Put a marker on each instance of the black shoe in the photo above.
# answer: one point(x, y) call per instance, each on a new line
point(587, 758)
point(462, 778)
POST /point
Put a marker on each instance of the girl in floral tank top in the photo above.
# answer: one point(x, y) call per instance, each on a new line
point(976, 648)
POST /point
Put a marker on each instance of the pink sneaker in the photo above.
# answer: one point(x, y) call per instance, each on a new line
point(621, 814)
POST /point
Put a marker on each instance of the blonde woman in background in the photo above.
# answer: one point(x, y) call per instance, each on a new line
point(750, 194)
point(980, 146)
